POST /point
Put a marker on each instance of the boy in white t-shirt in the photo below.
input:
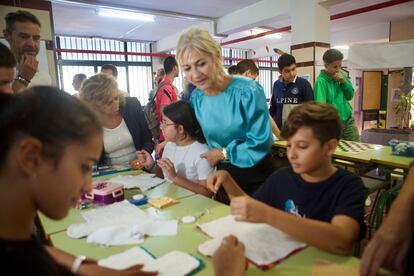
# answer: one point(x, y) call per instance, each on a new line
point(181, 162)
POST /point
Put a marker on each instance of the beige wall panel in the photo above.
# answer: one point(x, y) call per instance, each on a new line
point(319, 51)
point(402, 29)
point(52, 68)
point(303, 55)
point(306, 72)
point(43, 16)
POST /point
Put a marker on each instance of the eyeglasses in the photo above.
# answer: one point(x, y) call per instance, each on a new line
point(164, 124)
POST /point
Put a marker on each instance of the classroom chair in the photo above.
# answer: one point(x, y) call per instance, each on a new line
point(384, 204)
point(371, 185)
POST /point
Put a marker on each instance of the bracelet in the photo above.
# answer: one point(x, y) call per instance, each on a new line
point(150, 168)
point(224, 152)
point(23, 80)
point(76, 264)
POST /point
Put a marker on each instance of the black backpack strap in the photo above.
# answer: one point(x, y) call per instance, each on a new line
point(168, 94)
point(160, 85)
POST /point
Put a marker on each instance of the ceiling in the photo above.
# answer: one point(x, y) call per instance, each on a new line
point(79, 18)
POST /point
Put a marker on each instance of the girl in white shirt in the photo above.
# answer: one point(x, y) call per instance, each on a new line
point(181, 162)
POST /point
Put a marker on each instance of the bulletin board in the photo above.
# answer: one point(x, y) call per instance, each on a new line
point(371, 90)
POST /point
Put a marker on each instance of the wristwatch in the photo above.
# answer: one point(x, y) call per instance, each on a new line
point(224, 152)
point(22, 80)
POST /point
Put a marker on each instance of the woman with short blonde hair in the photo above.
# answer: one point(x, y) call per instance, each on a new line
point(99, 88)
point(125, 127)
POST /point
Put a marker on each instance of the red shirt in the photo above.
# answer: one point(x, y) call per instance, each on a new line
point(164, 99)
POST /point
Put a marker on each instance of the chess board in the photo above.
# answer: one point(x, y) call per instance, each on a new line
point(353, 147)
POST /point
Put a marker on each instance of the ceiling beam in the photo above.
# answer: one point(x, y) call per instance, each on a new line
point(170, 42)
point(120, 6)
point(252, 16)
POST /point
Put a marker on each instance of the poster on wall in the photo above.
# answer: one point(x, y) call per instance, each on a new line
point(395, 94)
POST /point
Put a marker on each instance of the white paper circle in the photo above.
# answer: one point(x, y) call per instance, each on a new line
point(188, 219)
point(138, 197)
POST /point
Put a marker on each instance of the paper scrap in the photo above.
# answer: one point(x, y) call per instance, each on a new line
point(174, 263)
point(143, 181)
point(264, 244)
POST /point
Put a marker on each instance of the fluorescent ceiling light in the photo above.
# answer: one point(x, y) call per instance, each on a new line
point(125, 14)
point(341, 47)
point(256, 31)
point(276, 35)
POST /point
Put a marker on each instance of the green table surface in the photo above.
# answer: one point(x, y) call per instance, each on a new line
point(189, 237)
point(166, 189)
point(385, 158)
point(380, 155)
point(362, 157)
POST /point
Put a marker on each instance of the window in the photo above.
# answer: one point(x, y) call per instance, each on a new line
point(121, 79)
point(268, 74)
point(232, 56)
point(134, 68)
point(140, 82)
point(268, 71)
point(71, 70)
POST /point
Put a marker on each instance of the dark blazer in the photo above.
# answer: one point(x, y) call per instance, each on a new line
point(135, 120)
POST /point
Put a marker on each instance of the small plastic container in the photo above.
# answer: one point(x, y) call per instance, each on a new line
point(106, 192)
point(139, 199)
point(382, 118)
point(402, 148)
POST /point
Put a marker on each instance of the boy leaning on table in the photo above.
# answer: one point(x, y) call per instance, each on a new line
point(310, 200)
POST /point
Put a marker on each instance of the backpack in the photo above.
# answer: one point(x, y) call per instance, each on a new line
point(150, 112)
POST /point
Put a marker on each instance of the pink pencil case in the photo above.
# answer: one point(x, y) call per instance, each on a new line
point(106, 192)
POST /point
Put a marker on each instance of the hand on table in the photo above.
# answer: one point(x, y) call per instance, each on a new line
point(229, 260)
point(95, 269)
point(167, 168)
point(144, 158)
point(216, 179)
point(245, 208)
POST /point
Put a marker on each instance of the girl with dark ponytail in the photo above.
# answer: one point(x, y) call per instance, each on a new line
point(49, 141)
point(181, 162)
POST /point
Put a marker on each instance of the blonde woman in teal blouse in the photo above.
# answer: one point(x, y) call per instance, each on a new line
point(231, 110)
